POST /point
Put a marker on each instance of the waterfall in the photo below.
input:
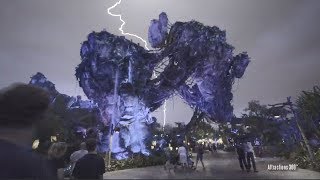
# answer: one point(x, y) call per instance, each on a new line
point(115, 143)
point(115, 97)
point(130, 72)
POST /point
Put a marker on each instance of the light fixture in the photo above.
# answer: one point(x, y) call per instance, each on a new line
point(53, 138)
point(154, 143)
point(35, 144)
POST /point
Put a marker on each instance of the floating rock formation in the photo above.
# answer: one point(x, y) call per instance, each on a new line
point(128, 82)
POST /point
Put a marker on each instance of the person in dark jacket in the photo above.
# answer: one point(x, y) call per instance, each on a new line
point(91, 165)
point(56, 159)
point(22, 106)
point(214, 147)
point(241, 155)
point(250, 156)
point(200, 151)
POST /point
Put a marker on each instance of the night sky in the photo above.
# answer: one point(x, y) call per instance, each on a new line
point(281, 37)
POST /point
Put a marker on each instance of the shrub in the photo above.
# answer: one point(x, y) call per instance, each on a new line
point(316, 164)
point(302, 159)
point(137, 161)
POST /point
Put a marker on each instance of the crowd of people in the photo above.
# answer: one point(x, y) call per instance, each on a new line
point(21, 107)
point(183, 157)
point(244, 150)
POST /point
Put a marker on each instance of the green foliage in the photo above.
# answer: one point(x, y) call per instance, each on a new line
point(261, 121)
point(256, 110)
point(282, 151)
point(308, 104)
point(301, 157)
point(61, 120)
point(316, 165)
point(137, 161)
point(202, 129)
point(155, 128)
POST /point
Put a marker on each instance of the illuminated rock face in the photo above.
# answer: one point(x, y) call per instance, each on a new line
point(193, 60)
point(158, 31)
point(135, 118)
point(41, 81)
point(113, 73)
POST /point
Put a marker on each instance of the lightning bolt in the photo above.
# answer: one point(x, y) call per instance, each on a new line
point(123, 23)
point(145, 45)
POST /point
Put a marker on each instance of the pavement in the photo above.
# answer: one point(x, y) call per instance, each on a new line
point(219, 165)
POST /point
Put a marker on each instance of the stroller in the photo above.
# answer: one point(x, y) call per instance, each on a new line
point(175, 161)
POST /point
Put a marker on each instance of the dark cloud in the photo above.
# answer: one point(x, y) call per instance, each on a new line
point(282, 37)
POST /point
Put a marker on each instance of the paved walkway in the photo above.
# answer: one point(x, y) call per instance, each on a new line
point(218, 166)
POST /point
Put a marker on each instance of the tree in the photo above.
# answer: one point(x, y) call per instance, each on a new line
point(196, 118)
point(289, 104)
point(200, 130)
point(63, 121)
point(255, 109)
point(262, 124)
point(308, 104)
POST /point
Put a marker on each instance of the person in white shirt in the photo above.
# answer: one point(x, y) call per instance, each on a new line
point(78, 155)
point(183, 156)
point(250, 156)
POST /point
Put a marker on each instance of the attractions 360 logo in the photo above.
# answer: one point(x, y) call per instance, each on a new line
point(280, 167)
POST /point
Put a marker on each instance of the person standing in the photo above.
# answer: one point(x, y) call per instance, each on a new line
point(56, 155)
point(214, 147)
point(168, 164)
point(241, 156)
point(210, 148)
point(21, 107)
point(91, 165)
point(250, 157)
point(78, 155)
point(200, 151)
point(183, 156)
